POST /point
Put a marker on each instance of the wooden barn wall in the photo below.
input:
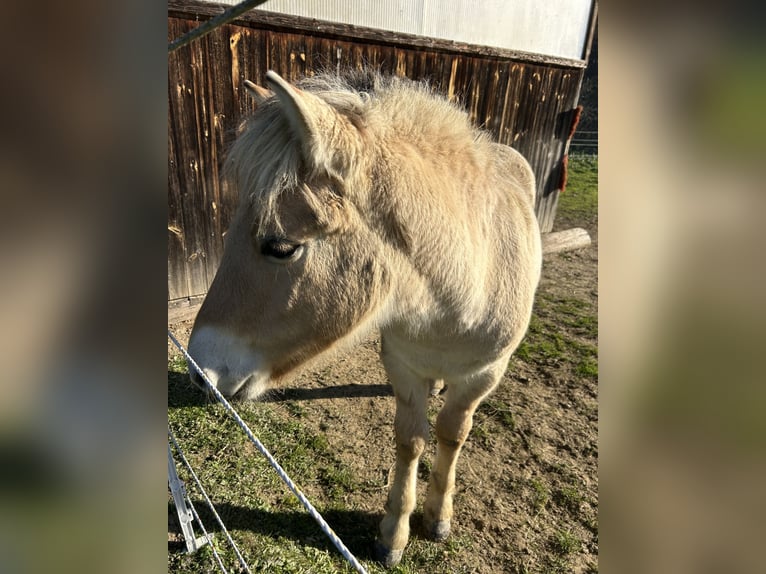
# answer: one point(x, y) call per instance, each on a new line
point(526, 104)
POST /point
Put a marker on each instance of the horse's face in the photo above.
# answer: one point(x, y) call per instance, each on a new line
point(299, 272)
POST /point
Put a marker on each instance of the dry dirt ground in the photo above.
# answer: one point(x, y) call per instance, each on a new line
point(527, 489)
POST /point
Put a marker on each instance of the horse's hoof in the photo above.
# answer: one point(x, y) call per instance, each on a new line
point(388, 558)
point(439, 530)
point(437, 387)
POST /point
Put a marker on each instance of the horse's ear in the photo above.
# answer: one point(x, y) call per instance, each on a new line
point(328, 140)
point(258, 93)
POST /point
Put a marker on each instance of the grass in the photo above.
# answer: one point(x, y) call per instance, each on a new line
point(499, 411)
point(565, 329)
point(579, 202)
point(540, 495)
point(265, 518)
point(562, 330)
point(267, 521)
point(569, 498)
point(565, 543)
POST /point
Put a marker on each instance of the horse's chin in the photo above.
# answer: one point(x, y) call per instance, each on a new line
point(253, 388)
point(235, 388)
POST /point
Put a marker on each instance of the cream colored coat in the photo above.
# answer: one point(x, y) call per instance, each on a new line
point(369, 203)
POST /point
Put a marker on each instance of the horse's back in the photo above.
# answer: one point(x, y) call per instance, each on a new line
point(515, 166)
point(514, 183)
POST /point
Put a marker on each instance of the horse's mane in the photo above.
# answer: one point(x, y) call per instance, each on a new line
point(265, 160)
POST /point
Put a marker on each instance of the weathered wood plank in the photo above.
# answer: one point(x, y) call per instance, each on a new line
point(183, 102)
point(177, 277)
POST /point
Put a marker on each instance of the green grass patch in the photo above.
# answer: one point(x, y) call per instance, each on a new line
point(588, 367)
point(540, 495)
point(270, 526)
point(425, 556)
point(562, 330)
point(481, 436)
point(569, 497)
point(265, 518)
point(580, 198)
point(497, 410)
point(177, 363)
point(564, 542)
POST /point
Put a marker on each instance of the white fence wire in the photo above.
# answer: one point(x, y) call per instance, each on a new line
point(207, 536)
point(207, 500)
point(345, 552)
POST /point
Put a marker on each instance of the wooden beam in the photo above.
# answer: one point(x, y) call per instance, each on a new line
point(184, 309)
point(566, 240)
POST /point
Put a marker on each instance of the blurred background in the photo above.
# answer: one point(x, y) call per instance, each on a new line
point(681, 284)
point(83, 287)
point(82, 252)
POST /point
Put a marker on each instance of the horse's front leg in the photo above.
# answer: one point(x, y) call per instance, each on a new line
point(453, 424)
point(411, 430)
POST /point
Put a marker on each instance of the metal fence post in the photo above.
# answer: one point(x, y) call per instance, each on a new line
point(185, 516)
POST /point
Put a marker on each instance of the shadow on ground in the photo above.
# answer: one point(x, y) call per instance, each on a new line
point(350, 391)
point(182, 393)
point(357, 529)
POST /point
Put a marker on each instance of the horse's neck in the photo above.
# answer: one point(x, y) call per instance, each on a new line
point(445, 275)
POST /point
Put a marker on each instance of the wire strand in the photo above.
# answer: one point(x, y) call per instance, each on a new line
point(207, 536)
point(207, 500)
point(345, 552)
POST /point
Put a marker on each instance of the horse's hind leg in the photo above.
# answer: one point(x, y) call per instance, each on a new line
point(411, 429)
point(452, 427)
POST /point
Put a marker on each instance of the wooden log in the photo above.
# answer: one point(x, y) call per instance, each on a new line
point(184, 309)
point(566, 240)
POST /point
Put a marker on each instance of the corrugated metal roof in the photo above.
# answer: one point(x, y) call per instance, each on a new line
point(549, 27)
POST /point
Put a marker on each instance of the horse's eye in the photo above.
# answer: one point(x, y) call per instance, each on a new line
point(281, 250)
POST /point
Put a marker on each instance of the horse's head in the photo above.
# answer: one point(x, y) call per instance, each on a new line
point(300, 268)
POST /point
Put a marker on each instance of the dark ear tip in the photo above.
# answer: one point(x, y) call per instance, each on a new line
point(275, 80)
point(260, 94)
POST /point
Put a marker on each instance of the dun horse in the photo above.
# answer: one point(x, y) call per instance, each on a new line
point(370, 203)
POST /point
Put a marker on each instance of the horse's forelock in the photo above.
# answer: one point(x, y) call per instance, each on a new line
point(263, 163)
point(266, 160)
